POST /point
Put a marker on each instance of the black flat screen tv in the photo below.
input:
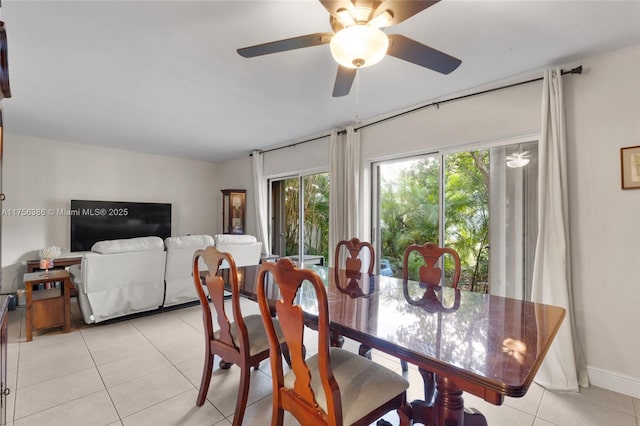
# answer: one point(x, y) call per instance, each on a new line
point(93, 221)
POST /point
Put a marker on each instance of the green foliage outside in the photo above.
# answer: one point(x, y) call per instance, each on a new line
point(316, 215)
point(410, 209)
point(410, 213)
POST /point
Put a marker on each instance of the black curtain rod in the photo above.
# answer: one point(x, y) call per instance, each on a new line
point(576, 70)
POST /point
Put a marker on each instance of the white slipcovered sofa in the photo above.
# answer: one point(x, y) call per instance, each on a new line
point(122, 277)
point(178, 275)
point(244, 249)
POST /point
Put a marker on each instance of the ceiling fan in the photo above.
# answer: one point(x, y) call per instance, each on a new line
point(518, 159)
point(358, 41)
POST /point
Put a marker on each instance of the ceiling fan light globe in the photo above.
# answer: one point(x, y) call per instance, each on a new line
point(359, 46)
point(517, 162)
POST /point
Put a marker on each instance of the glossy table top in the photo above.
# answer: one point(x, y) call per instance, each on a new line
point(489, 345)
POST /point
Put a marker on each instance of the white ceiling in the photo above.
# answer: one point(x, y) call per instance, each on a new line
point(164, 77)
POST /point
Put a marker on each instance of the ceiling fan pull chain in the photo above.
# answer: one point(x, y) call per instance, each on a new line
point(357, 101)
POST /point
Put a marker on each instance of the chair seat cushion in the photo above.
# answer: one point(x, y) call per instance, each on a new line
point(364, 385)
point(258, 340)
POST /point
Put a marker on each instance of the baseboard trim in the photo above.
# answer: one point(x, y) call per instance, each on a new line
point(614, 382)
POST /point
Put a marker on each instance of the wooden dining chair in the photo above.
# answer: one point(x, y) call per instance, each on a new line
point(242, 341)
point(333, 387)
point(354, 250)
point(430, 273)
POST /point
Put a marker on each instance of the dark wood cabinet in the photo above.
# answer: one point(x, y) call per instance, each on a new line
point(5, 92)
point(4, 390)
point(233, 211)
point(4, 300)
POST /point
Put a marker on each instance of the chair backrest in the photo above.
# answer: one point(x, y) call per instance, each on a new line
point(357, 251)
point(214, 258)
point(298, 397)
point(430, 272)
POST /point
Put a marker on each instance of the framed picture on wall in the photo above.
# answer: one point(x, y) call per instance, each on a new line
point(233, 211)
point(630, 167)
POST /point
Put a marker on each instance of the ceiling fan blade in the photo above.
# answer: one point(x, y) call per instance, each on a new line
point(410, 50)
point(333, 6)
point(344, 80)
point(403, 9)
point(286, 44)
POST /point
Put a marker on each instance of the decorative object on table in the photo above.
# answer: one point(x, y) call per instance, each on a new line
point(630, 167)
point(47, 255)
point(233, 211)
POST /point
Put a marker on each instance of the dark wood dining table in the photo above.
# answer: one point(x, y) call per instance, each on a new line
point(486, 345)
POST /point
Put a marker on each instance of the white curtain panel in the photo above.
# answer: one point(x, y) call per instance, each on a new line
point(260, 191)
point(563, 368)
point(344, 176)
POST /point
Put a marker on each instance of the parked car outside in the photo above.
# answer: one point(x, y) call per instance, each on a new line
point(385, 268)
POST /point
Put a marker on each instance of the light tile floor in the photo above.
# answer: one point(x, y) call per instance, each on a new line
point(146, 371)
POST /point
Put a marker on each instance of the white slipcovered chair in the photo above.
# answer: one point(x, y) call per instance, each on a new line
point(178, 273)
point(120, 277)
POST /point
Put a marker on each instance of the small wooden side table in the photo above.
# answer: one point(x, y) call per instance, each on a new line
point(47, 308)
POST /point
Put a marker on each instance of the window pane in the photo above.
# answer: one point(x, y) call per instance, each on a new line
point(316, 218)
point(514, 223)
point(408, 210)
point(285, 208)
point(296, 198)
point(487, 213)
point(466, 213)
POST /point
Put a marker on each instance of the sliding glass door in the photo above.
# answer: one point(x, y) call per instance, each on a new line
point(467, 200)
point(300, 217)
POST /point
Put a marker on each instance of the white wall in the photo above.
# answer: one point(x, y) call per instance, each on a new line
point(45, 174)
point(302, 159)
point(505, 114)
point(603, 114)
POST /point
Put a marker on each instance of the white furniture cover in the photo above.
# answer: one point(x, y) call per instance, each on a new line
point(120, 277)
point(179, 269)
point(245, 249)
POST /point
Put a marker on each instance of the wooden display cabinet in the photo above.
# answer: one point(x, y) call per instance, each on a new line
point(233, 211)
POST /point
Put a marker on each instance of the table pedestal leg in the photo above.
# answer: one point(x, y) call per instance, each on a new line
point(364, 351)
point(429, 381)
point(446, 407)
point(336, 340)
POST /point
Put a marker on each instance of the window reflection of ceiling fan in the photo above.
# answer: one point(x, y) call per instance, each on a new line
point(518, 159)
point(358, 41)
